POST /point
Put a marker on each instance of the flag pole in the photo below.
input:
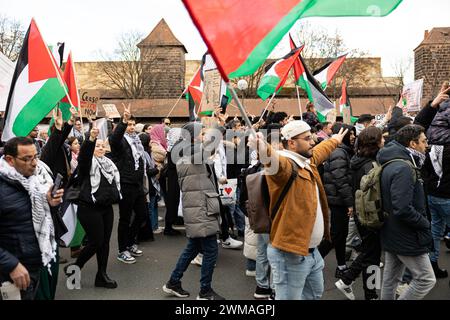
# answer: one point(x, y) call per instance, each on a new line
point(299, 103)
point(179, 98)
point(267, 106)
point(78, 95)
point(241, 109)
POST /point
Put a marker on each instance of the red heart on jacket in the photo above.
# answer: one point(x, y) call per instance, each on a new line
point(228, 190)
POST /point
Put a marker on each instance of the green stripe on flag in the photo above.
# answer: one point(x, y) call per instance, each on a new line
point(38, 107)
point(304, 84)
point(267, 86)
point(344, 8)
point(78, 236)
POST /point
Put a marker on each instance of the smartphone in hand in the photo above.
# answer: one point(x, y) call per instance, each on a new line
point(57, 184)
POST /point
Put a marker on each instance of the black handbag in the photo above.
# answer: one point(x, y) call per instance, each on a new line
point(72, 192)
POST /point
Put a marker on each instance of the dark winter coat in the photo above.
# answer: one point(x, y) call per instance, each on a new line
point(439, 131)
point(406, 230)
point(18, 242)
point(337, 177)
point(122, 156)
point(360, 166)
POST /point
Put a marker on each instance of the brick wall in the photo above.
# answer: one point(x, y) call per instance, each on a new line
point(432, 63)
point(165, 71)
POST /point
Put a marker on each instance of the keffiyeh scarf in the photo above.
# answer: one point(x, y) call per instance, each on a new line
point(103, 166)
point(418, 157)
point(37, 187)
point(436, 156)
point(136, 147)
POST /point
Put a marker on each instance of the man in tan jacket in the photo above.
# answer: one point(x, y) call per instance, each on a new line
point(302, 219)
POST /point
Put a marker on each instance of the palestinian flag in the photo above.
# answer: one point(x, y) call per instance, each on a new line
point(276, 74)
point(75, 232)
point(344, 102)
point(58, 53)
point(194, 94)
point(71, 82)
point(36, 86)
point(252, 29)
point(327, 72)
point(314, 91)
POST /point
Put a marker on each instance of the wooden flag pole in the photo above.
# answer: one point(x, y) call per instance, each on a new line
point(179, 98)
point(270, 101)
point(299, 103)
point(241, 109)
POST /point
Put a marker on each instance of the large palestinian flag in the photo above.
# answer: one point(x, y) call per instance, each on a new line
point(35, 87)
point(241, 42)
point(344, 102)
point(326, 73)
point(277, 74)
point(71, 82)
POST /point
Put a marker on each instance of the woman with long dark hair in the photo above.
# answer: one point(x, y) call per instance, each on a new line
point(370, 141)
point(100, 188)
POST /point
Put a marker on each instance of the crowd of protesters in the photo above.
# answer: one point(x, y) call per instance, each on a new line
point(139, 166)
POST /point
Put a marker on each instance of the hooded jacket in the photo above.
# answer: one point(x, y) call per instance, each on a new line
point(406, 230)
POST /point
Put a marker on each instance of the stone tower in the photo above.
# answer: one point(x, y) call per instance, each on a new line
point(432, 61)
point(165, 65)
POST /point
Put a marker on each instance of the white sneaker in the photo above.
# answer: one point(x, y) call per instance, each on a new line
point(159, 230)
point(345, 289)
point(160, 218)
point(198, 260)
point(401, 288)
point(230, 243)
point(134, 251)
point(250, 273)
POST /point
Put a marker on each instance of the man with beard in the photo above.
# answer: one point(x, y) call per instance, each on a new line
point(302, 218)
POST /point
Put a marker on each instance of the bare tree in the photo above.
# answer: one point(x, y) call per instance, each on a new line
point(253, 81)
point(11, 37)
point(128, 70)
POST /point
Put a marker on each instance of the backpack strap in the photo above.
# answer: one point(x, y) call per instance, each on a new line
point(414, 169)
point(286, 188)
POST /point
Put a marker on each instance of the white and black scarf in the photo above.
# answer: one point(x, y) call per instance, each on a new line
point(418, 157)
point(136, 147)
point(107, 168)
point(37, 187)
point(436, 156)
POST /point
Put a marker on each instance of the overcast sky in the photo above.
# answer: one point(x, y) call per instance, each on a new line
point(89, 26)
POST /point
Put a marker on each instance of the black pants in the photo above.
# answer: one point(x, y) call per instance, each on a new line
point(339, 232)
point(133, 199)
point(224, 225)
point(172, 199)
point(30, 292)
point(370, 255)
point(98, 223)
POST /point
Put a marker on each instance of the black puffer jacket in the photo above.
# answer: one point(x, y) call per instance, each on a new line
point(406, 230)
point(337, 177)
point(122, 156)
point(18, 241)
point(438, 132)
point(360, 166)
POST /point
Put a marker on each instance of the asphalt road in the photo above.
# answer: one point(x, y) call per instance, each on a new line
point(144, 279)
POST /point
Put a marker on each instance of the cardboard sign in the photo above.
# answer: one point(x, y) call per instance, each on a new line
point(227, 192)
point(111, 111)
point(88, 102)
point(331, 116)
point(211, 90)
point(412, 96)
point(346, 114)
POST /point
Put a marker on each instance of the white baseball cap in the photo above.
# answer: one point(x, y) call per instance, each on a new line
point(294, 128)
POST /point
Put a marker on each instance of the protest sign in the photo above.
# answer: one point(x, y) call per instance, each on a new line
point(331, 116)
point(412, 96)
point(227, 192)
point(346, 114)
point(88, 102)
point(211, 90)
point(111, 110)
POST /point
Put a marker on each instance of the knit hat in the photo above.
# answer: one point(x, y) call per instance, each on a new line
point(294, 128)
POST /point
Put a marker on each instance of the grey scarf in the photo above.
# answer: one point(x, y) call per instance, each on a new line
point(418, 157)
point(436, 156)
point(37, 187)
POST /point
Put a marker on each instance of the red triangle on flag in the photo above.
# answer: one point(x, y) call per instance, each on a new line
point(40, 65)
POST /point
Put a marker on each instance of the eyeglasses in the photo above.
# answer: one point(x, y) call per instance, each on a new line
point(167, 123)
point(307, 139)
point(28, 159)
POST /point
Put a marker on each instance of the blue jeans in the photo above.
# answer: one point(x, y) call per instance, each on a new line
point(207, 246)
point(440, 216)
point(238, 216)
point(296, 277)
point(262, 263)
point(153, 211)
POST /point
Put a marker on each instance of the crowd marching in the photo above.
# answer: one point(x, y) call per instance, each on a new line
point(313, 177)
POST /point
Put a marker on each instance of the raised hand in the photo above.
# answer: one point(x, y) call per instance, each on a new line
point(73, 116)
point(57, 115)
point(126, 112)
point(388, 116)
point(340, 135)
point(94, 132)
point(442, 96)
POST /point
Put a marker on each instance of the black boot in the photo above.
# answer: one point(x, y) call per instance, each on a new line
point(439, 273)
point(102, 280)
point(447, 241)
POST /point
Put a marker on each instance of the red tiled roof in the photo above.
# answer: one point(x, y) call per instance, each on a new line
point(436, 36)
point(161, 35)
